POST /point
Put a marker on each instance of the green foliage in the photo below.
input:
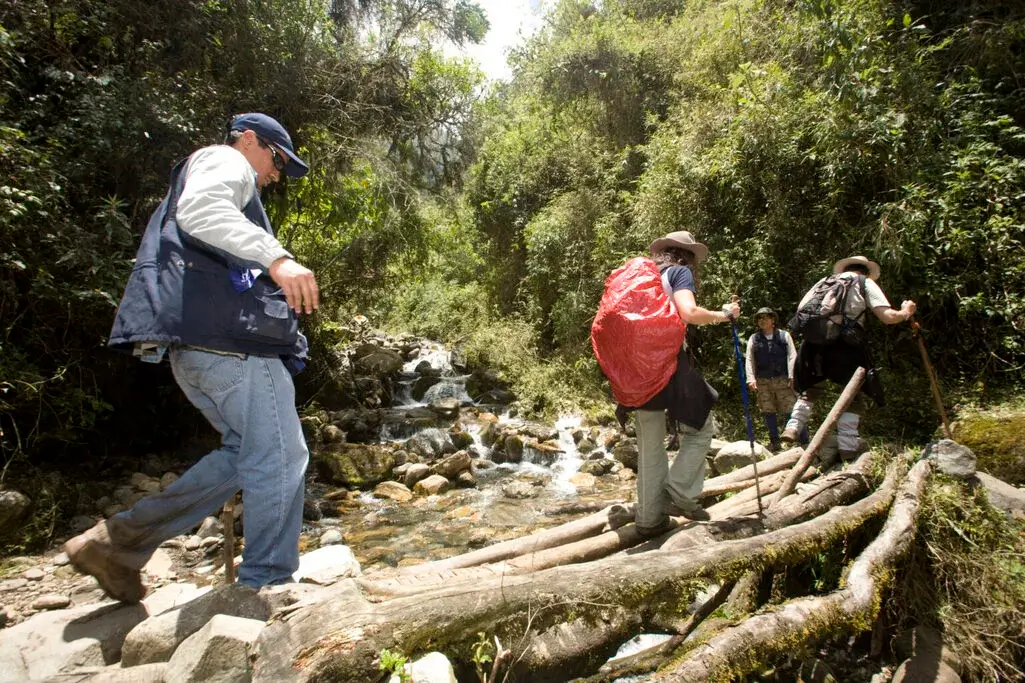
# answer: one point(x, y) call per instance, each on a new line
point(394, 663)
point(100, 97)
point(785, 136)
point(966, 575)
point(483, 653)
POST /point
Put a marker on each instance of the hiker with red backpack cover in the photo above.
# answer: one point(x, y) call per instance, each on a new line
point(638, 338)
point(831, 321)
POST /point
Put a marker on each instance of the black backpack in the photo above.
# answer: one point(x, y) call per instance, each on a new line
point(825, 317)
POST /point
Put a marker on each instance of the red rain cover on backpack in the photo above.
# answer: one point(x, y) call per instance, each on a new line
point(636, 334)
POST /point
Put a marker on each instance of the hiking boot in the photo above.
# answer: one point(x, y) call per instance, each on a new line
point(847, 456)
point(774, 447)
point(695, 512)
point(93, 553)
point(788, 437)
point(619, 516)
point(654, 531)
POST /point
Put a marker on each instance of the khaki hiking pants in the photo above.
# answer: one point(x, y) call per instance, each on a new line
point(657, 482)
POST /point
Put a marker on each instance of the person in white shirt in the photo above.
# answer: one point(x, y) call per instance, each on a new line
point(769, 366)
point(838, 360)
point(215, 291)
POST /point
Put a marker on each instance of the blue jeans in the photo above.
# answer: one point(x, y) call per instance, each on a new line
point(251, 402)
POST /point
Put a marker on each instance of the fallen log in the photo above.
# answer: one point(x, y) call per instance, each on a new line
point(833, 489)
point(770, 484)
point(340, 637)
point(566, 533)
point(742, 477)
point(743, 649)
point(649, 659)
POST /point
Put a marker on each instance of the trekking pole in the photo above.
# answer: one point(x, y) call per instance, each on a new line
point(915, 332)
point(747, 411)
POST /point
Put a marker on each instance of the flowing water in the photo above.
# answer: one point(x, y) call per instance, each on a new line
point(385, 533)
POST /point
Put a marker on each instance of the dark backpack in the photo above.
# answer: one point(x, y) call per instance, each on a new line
point(833, 311)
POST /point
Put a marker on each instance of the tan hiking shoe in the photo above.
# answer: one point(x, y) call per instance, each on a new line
point(619, 516)
point(788, 437)
point(93, 552)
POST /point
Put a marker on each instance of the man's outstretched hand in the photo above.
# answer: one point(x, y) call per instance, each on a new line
point(298, 284)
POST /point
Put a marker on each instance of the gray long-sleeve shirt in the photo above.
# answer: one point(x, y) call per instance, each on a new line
point(219, 183)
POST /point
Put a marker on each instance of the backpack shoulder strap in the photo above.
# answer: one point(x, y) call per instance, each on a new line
point(864, 296)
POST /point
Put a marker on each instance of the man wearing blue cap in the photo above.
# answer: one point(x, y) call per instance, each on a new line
point(215, 290)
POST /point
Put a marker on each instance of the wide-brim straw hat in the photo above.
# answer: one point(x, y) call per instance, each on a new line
point(841, 265)
point(682, 240)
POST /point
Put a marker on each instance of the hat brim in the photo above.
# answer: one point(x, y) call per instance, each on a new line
point(296, 167)
point(873, 267)
point(699, 250)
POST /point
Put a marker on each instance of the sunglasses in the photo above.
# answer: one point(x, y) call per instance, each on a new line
point(280, 162)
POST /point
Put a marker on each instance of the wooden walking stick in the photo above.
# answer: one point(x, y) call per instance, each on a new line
point(915, 332)
point(228, 522)
point(820, 436)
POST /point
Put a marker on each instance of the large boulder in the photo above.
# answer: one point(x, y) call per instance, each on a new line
point(446, 407)
point(217, 652)
point(355, 465)
point(597, 467)
point(414, 473)
point(326, 565)
point(422, 384)
point(433, 667)
point(626, 452)
point(451, 466)
point(540, 432)
point(952, 458)
point(431, 443)
point(738, 454)
point(359, 425)
point(996, 442)
point(51, 642)
point(13, 506)
point(432, 485)
point(156, 638)
point(393, 490)
point(1003, 495)
point(543, 453)
point(379, 362)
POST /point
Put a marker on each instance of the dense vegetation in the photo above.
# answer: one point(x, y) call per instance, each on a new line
point(785, 134)
point(100, 98)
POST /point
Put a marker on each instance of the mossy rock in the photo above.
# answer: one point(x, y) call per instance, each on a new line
point(360, 466)
point(997, 443)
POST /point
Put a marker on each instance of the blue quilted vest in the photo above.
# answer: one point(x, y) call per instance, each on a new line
point(770, 356)
point(181, 292)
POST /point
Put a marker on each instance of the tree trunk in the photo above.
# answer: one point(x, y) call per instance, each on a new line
point(740, 650)
point(340, 637)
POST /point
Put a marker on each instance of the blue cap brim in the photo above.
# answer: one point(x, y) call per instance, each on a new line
point(296, 167)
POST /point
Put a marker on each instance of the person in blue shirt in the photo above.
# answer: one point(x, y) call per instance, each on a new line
point(213, 289)
point(664, 491)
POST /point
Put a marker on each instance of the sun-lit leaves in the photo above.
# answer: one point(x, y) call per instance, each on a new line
point(786, 136)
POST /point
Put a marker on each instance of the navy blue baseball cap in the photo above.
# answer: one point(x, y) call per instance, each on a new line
point(271, 131)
